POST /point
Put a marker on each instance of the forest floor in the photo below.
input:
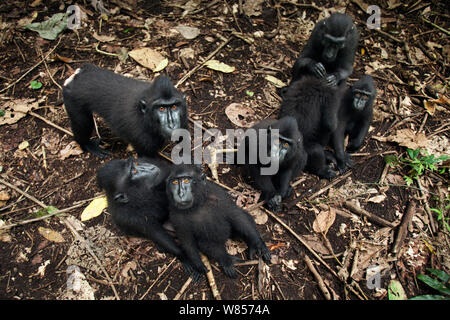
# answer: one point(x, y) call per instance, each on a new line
point(356, 256)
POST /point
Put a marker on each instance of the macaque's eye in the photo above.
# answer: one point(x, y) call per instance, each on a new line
point(186, 180)
point(174, 107)
point(162, 108)
point(174, 181)
point(286, 144)
point(365, 97)
point(357, 94)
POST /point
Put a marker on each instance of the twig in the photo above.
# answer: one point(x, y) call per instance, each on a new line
point(427, 207)
point(299, 238)
point(104, 52)
point(32, 68)
point(212, 54)
point(40, 203)
point(48, 71)
point(436, 26)
point(210, 277)
point(8, 226)
point(156, 280)
point(319, 279)
point(183, 289)
point(50, 123)
point(318, 193)
point(351, 206)
point(303, 5)
point(89, 249)
point(403, 229)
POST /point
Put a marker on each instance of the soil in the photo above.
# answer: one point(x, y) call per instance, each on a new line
point(33, 267)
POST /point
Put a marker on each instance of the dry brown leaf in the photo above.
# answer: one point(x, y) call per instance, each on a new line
point(240, 115)
point(219, 66)
point(4, 195)
point(429, 106)
point(103, 38)
point(188, 32)
point(4, 235)
point(277, 82)
point(94, 209)
point(51, 235)
point(316, 243)
point(409, 139)
point(149, 58)
point(72, 149)
point(324, 221)
point(377, 199)
point(17, 109)
point(23, 145)
point(234, 247)
point(259, 215)
point(253, 7)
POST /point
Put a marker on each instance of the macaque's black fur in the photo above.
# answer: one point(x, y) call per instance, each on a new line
point(314, 105)
point(352, 122)
point(337, 25)
point(139, 207)
point(118, 100)
point(211, 219)
point(275, 187)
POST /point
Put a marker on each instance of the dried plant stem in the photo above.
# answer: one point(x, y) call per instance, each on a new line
point(210, 277)
point(31, 69)
point(403, 229)
point(319, 279)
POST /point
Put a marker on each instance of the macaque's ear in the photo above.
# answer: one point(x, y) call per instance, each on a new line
point(143, 105)
point(121, 197)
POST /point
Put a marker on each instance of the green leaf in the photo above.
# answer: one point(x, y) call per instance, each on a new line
point(35, 85)
point(442, 275)
point(391, 160)
point(51, 209)
point(51, 28)
point(433, 283)
point(408, 180)
point(429, 297)
point(249, 93)
point(2, 113)
point(396, 291)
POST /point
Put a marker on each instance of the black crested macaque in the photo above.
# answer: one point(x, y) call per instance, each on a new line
point(314, 105)
point(141, 113)
point(286, 149)
point(354, 118)
point(204, 216)
point(330, 51)
point(138, 203)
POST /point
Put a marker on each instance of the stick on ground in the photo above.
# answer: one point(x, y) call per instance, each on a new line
point(403, 229)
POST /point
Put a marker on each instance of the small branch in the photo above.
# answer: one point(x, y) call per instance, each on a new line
point(8, 226)
point(427, 207)
point(299, 238)
point(436, 26)
point(32, 68)
point(210, 277)
point(319, 279)
point(38, 202)
point(351, 206)
point(50, 123)
point(183, 289)
point(156, 280)
point(212, 54)
point(403, 229)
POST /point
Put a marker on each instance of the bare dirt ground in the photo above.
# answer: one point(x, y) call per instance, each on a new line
point(40, 166)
